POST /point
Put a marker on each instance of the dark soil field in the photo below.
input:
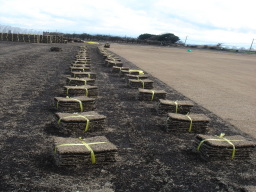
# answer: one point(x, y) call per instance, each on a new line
point(149, 158)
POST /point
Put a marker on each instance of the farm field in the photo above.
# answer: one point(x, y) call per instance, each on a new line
point(149, 158)
point(223, 83)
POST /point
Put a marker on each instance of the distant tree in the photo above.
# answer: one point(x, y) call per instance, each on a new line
point(145, 36)
point(168, 37)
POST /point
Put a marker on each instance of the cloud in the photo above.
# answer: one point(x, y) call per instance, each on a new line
point(211, 20)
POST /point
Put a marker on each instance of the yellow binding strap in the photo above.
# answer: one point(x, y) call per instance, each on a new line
point(190, 126)
point(77, 115)
point(85, 82)
point(86, 92)
point(143, 84)
point(67, 91)
point(87, 145)
point(153, 94)
point(176, 103)
point(221, 138)
point(80, 103)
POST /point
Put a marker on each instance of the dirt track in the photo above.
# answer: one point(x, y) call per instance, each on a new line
point(223, 83)
point(149, 159)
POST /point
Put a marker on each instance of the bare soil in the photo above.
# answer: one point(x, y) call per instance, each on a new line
point(149, 159)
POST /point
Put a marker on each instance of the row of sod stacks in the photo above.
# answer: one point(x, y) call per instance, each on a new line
point(76, 118)
point(179, 117)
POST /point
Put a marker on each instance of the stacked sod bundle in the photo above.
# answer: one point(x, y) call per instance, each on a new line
point(84, 90)
point(80, 123)
point(168, 106)
point(84, 75)
point(197, 123)
point(74, 104)
point(151, 95)
point(79, 81)
point(83, 152)
point(224, 147)
point(137, 77)
point(111, 63)
point(145, 83)
point(81, 65)
point(82, 61)
point(118, 69)
point(80, 69)
point(131, 72)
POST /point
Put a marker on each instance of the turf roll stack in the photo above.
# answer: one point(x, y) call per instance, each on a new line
point(197, 123)
point(84, 90)
point(80, 69)
point(118, 69)
point(84, 75)
point(151, 95)
point(74, 104)
point(83, 152)
point(71, 81)
point(168, 106)
point(223, 147)
point(145, 83)
point(80, 123)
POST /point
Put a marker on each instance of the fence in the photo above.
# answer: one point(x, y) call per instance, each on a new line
point(31, 38)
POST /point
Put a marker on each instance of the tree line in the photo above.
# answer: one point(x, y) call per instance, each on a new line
point(162, 39)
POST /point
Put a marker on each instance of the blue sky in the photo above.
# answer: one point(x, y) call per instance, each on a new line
point(231, 22)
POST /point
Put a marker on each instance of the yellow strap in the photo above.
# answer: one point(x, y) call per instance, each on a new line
point(67, 91)
point(85, 82)
point(86, 92)
point(93, 158)
point(190, 126)
point(87, 120)
point(143, 84)
point(176, 103)
point(153, 94)
point(133, 70)
point(80, 103)
point(222, 138)
point(89, 75)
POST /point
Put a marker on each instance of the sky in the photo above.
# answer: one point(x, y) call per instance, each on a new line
point(231, 22)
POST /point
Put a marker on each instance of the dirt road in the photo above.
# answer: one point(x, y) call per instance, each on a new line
point(223, 83)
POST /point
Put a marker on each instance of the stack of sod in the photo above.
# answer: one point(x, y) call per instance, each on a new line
point(151, 95)
point(197, 123)
point(138, 77)
point(83, 152)
point(74, 104)
point(84, 75)
point(168, 106)
point(83, 90)
point(80, 123)
point(80, 69)
point(115, 63)
point(131, 72)
point(80, 81)
point(224, 147)
point(118, 69)
point(87, 61)
point(81, 65)
point(145, 83)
